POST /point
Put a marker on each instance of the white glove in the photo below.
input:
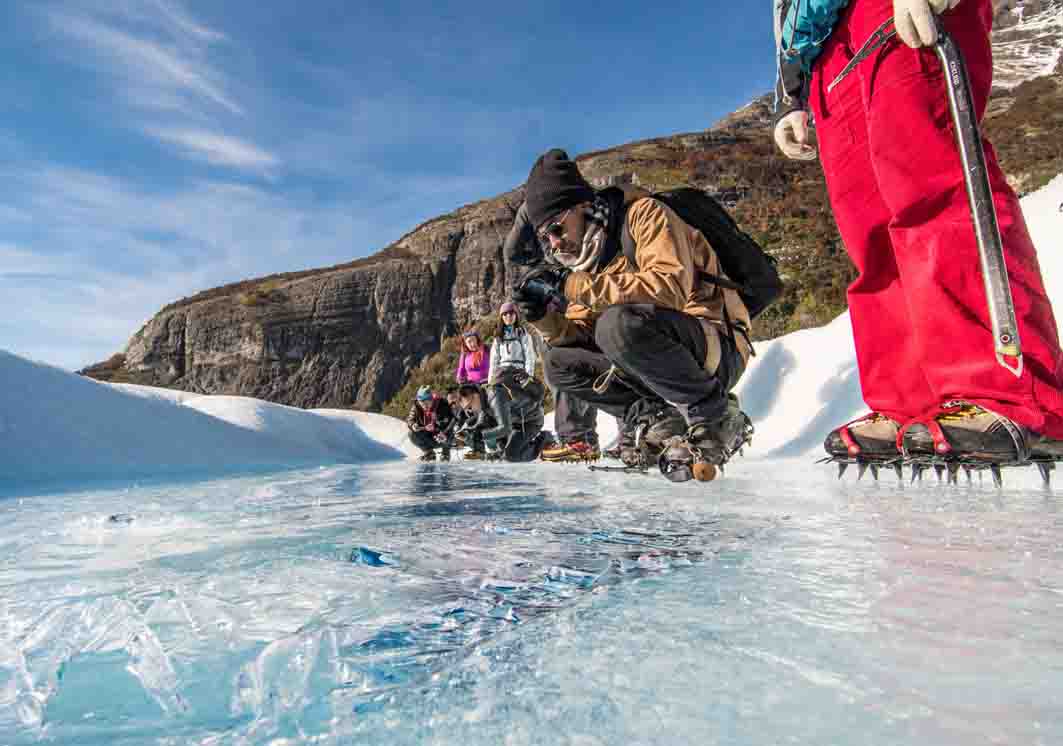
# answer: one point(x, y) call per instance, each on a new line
point(914, 20)
point(791, 135)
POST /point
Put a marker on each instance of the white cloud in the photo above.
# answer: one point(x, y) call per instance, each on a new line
point(220, 150)
point(154, 72)
point(108, 255)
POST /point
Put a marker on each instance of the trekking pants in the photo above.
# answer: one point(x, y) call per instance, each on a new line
point(919, 312)
point(523, 444)
point(660, 355)
point(425, 440)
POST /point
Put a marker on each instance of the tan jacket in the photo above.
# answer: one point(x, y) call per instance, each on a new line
point(670, 254)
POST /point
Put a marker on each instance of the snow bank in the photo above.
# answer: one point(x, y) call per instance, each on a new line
point(58, 427)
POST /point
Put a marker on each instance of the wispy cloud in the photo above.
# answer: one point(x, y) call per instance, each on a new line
point(110, 254)
point(158, 65)
point(220, 150)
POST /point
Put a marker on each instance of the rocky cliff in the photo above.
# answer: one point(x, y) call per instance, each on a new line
point(349, 335)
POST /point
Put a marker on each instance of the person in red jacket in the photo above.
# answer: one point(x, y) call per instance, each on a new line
point(896, 184)
point(430, 421)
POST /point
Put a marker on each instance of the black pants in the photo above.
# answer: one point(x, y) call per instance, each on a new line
point(426, 441)
point(574, 418)
point(525, 439)
point(660, 354)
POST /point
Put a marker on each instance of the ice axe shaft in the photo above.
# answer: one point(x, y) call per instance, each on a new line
point(1005, 328)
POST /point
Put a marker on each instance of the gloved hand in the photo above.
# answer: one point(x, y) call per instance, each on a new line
point(441, 438)
point(914, 20)
point(430, 427)
point(541, 290)
point(791, 134)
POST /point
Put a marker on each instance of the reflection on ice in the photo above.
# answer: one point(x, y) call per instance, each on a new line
point(436, 603)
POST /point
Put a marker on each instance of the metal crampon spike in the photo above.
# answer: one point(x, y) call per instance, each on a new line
point(874, 472)
point(998, 479)
point(842, 466)
point(967, 471)
point(1046, 467)
point(899, 471)
point(861, 469)
point(917, 472)
point(954, 473)
point(939, 469)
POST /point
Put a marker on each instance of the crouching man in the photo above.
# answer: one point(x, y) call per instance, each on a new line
point(639, 321)
point(430, 421)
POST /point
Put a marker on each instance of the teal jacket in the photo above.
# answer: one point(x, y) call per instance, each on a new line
point(801, 28)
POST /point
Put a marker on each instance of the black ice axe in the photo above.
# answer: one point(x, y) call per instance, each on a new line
point(1005, 328)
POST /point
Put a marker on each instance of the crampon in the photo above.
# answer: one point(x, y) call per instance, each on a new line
point(945, 468)
point(681, 459)
point(958, 437)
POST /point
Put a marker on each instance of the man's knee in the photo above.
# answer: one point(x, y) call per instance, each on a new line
point(620, 327)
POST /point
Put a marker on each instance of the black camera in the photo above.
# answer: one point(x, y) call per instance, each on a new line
point(538, 291)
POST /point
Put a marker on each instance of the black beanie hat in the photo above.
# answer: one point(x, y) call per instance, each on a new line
point(554, 184)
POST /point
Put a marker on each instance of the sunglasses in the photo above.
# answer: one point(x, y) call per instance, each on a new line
point(555, 228)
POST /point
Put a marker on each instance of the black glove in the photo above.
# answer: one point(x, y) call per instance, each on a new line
point(541, 290)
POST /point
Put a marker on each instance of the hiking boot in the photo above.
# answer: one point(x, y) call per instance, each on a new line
point(646, 427)
point(967, 431)
point(718, 441)
point(474, 455)
point(659, 426)
point(576, 449)
point(873, 436)
point(444, 454)
point(1044, 447)
point(428, 456)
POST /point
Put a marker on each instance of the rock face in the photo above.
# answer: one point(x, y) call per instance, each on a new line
point(338, 337)
point(349, 335)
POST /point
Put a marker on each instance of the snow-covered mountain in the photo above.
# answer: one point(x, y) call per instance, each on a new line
point(1028, 41)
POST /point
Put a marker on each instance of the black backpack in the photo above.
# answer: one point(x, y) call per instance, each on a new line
point(750, 270)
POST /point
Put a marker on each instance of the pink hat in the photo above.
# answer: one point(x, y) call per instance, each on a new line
point(508, 307)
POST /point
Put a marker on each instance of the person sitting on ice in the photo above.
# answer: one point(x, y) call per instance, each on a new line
point(474, 364)
point(522, 440)
point(430, 421)
point(920, 318)
point(643, 338)
point(464, 433)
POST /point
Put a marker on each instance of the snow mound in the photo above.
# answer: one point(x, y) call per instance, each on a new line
point(58, 427)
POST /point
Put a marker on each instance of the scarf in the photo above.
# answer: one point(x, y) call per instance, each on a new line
point(601, 239)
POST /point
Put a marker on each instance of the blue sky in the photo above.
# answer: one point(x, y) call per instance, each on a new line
point(153, 148)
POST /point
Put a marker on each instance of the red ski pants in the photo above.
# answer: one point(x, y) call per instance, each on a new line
point(919, 311)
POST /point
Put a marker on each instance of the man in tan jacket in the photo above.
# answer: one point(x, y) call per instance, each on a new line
point(632, 324)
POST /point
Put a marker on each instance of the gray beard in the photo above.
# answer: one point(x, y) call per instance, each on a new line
point(590, 250)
